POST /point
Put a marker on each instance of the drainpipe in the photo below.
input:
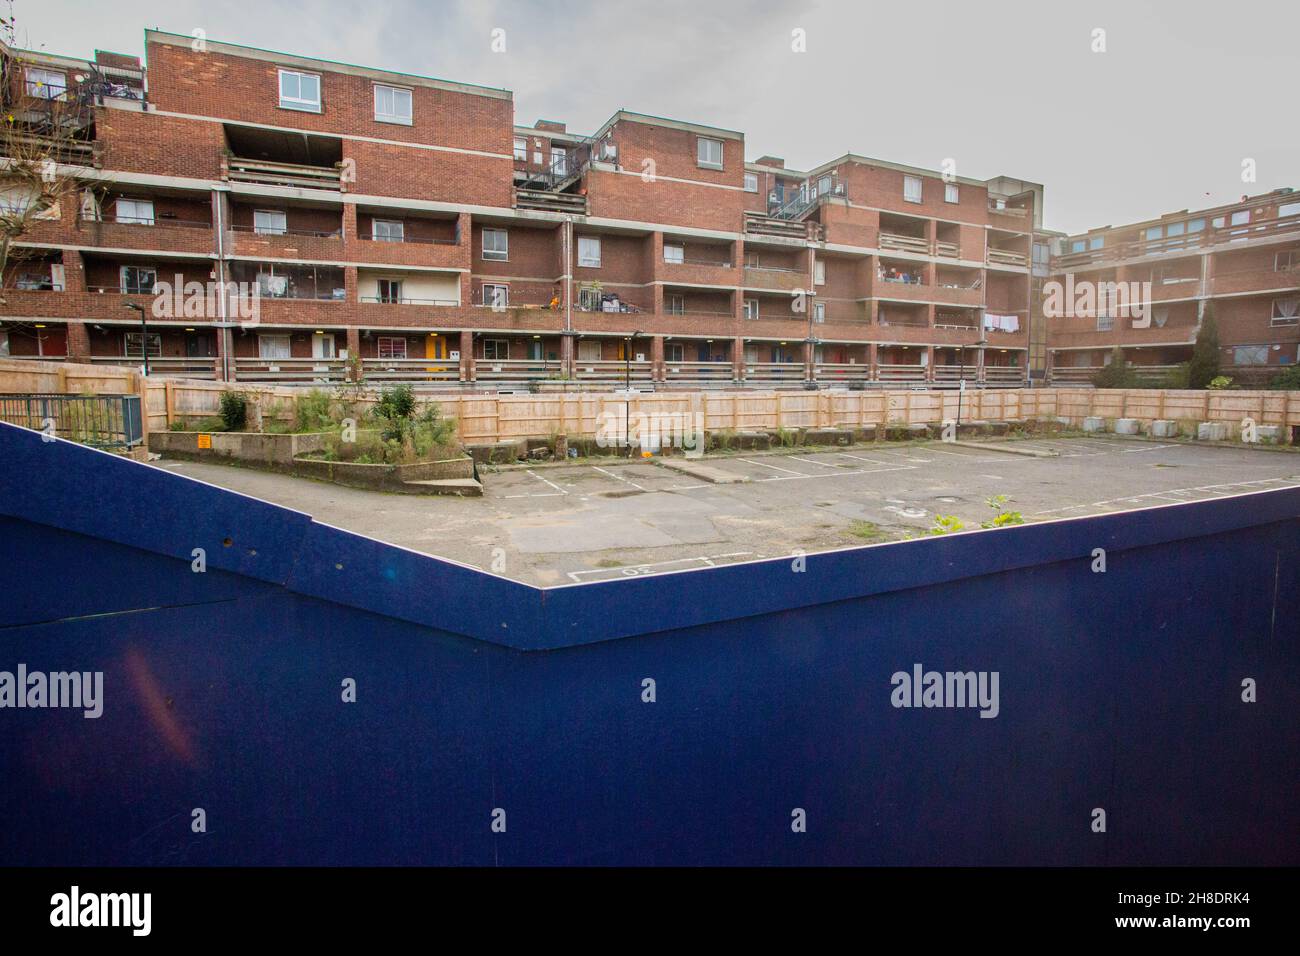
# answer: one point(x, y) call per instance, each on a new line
point(227, 341)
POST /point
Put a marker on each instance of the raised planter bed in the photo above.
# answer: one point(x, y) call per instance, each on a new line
point(253, 447)
point(448, 476)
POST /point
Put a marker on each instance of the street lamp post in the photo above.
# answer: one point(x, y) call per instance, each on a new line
point(627, 391)
point(144, 336)
point(961, 378)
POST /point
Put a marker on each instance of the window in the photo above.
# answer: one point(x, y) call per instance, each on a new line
point(496, 350)
point(135, 211)
point(1241, 217)
point(1250, 355)
point(1096, 242)
point(392, 105)
point(496, 294)
point(1105, 323)
point(1286, 311)
point(537, 157)
point(1286, 261)
point(4, 343)
point(1154, 233)
point(819, 311)
point(299, 91)
point(521, 150)
point(1077, 245)
point(674, 352)
point(751, 182)
point(270, 222)
point(588, 350)
point(751, 308)
point(273, 284)
point(387, 230)
point(138, 280)
point(1195, 225)
point(674, 254)
point(390, 290)
point(1161, 316)
point(391, 347)
point(136, 342)
point(589, 252)
point(819, 272)
point(1288, 209)
point(708, 152)
point(950, 192)
point(46, 84)
point(559, 162)
point(1175, 229)
point(273, 346)
point(496, 244)
point(912, 188)
point(675, 304)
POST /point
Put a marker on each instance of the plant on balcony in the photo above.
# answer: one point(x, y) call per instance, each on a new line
point(1204, 366)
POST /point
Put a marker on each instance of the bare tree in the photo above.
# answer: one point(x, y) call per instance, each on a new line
point(46, 147)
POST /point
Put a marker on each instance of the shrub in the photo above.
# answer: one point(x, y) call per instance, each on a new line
point(1204, 367)
point(313, 412)
point(1118, 374)
point(1288, 379)
point(234, 411)
point(1219, 382)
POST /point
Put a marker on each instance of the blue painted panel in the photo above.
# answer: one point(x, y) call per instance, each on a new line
point(1119, 690)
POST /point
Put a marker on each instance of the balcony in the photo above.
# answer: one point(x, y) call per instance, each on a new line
point(436, 253)
point(411, 369)
point(774, 372)
point(573, 204)
point(165, 366)
point(301, 175)
point(703, 372)
point(1084, 333)
point(757, 224)
point(1256, 280)
point(899, 373)
point(775, 278)
point(1006, 257)
point(290, 370)
point(254, 243)
point(898, 242)
point(160, 234)
point(697, 272)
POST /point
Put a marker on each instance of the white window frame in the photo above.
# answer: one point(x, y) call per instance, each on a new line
point(951, 193)
point(819, 311)
point(751, 182)
point(394, 294)
point(674, 253)
point(585, 259)
point(674, 352)
point(559, 161)
point(494, 254)
point(675, 304)
point(393, 235)
point(121, 279)
point(389, 343)
point(279, 341)
point(4, 343)
point(702, 152)
point(751, 308)
point(1256, 349)
point(1277, 319)
point(138, 217)
point(270, 229)
point(497, 345)
point(819, 272)
point(397, 95)
point(521, 149)
point(491, 300)
point(37, 83)
point(299, 103)
point(909, 181)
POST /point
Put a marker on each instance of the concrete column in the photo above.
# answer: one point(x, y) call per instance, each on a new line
point(568, 357)
point(74, 271)
point(350, 233)
point(738, 359)
point(979, 365)
point(809, 361)
point(929, 367)
point(658, 372)
point(354, 346)
point(225, 360)
point(871, 362)
point(78, 341)
point(467, 370)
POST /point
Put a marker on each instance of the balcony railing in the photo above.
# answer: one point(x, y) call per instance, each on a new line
point(166, 366)
point(159, 222)
point(270, 233)
point(1007, 257)
point(774, 371)
point(105, 421)
point(411, 369)
point(515, 370)
point(843, 371)
point(898, 372)
point(407, 240)
point(612, 371)
point(1004, 374)
point(699, 371)
point(407, 300)
point(317, 370)
point(284, 174)
point(902, 243)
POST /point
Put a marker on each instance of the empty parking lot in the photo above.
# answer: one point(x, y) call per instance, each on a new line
point(571, 523)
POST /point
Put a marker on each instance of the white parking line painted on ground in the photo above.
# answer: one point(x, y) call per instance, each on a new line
point(657, 567)
point(762, 464)
point(538, 494)
point(819, 464)
point(874, 461)
point(1221, 490)
point(619, 478)
point(547, 480)
point(994, 477)
point(1135, 451)
point(838, 474)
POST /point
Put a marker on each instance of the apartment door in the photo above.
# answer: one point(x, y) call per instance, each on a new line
point(435, 347)
point(322, 346)
point(199, 345)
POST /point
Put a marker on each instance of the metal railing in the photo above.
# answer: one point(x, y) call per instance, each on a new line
point(404, 300)
point(104, 421)
point(271, 232)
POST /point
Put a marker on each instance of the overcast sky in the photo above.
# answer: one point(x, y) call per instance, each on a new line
point(1160, 121)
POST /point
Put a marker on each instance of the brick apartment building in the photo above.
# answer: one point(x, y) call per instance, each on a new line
point(409, 223)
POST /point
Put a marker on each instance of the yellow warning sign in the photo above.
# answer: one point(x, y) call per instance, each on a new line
point(205, 441)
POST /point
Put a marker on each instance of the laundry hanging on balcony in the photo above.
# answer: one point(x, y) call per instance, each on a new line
point(1001, 323)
